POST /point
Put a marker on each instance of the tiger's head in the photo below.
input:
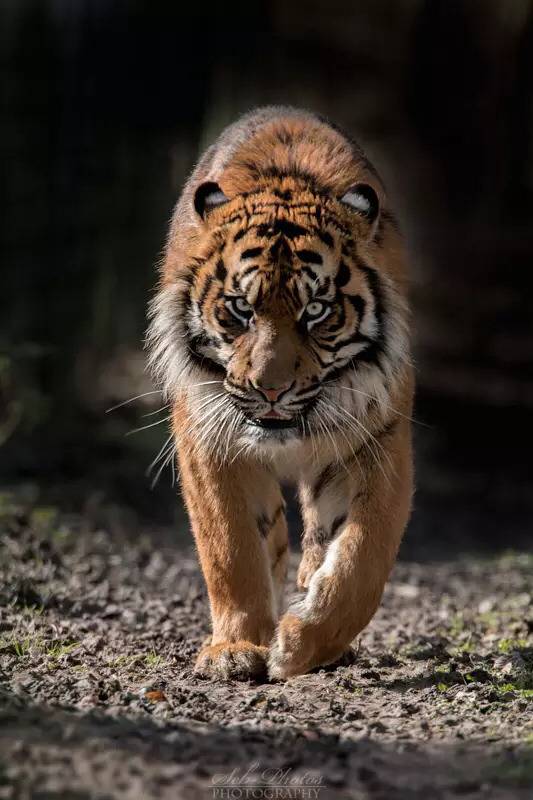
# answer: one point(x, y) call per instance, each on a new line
point(288, 319)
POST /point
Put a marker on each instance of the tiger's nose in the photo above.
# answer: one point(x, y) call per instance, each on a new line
point(272, 394)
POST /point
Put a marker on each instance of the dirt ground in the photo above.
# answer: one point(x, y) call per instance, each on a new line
point(97, 698)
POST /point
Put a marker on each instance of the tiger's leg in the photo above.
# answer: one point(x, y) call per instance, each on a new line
point(317, 527)
point(275, 532)
point(228, 505)
point(345, 590)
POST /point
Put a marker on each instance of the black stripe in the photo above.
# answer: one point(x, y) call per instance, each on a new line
point(248, 270)
point(335, 326)
point(323, 364)
point(304, 396)
point(372, 353)
point(356, 338)
point(266, 523)
point(205, 291)
point(221, 271)
point(290, 229)
point(187, 301)
point(308, 293)
point(358, 303)
point(327, 475)
point(279, 555)
point(322, 290)
point(307, 390)
point(343, 275)
point(310, 273)
point(337, 522)
point(326, 238)
point(293, 172)
point(252, 252)
point(262, 229)
point(310, 256)
point(201, 340)
point(233, 385)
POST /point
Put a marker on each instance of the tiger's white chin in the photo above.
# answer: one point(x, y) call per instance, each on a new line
point(269, 439)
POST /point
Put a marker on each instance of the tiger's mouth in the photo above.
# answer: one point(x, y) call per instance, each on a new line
point(273, 424)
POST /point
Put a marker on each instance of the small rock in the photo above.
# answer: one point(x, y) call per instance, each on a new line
point(88, 701)
point(352, 714)
point(486, 605)
point(111, 611)
point(336, 708)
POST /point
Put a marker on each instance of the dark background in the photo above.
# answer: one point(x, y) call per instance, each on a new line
point(106, 106)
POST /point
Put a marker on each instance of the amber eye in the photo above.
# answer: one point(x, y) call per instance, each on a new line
point(240, 308)
point(316, 311)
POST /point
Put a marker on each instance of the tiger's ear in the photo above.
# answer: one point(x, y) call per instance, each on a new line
point(363, 200)
point(207, 197)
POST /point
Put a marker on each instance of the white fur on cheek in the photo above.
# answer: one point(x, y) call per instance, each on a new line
point(167, 358)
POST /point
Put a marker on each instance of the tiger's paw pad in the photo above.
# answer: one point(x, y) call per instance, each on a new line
point(232, 661)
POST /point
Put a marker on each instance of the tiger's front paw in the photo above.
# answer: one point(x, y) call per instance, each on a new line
point(291, 652)
point(312, 559)
point(232, 660)
point(300, 646)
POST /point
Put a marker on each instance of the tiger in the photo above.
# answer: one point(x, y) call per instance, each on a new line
point(279, 333)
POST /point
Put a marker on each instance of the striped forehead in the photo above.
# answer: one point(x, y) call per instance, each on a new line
point(268, 264)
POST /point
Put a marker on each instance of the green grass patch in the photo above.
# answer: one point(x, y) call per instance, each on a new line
point(513, 688)
point(26, 646)
point(59, 649)
point(154, 660)
point(126, 660)
point(508, 645)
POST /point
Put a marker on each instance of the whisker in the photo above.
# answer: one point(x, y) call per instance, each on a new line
point(157, 411)
point(155, 391)
point(145, 427)
point(367, 442)
point(160, 454)
point(132, 400)
point(169, 457)
point(325, 430)
point(373, 397)
point(339, 428)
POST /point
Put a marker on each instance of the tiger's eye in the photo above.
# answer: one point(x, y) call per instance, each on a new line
point(315, 312)
point(240, 308)
point(314, 309)
point(242, 305)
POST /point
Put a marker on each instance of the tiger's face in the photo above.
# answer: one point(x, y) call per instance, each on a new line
point(280, 308)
